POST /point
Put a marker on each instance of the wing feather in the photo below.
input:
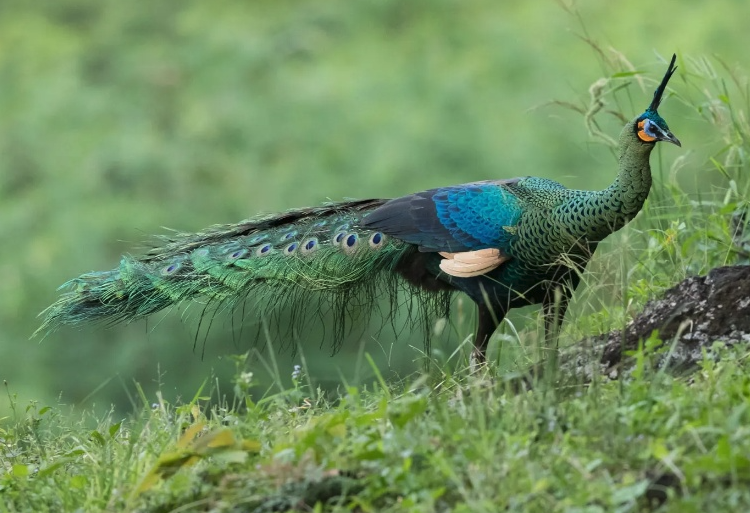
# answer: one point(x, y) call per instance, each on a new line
point(453, 219)
point(471, 263)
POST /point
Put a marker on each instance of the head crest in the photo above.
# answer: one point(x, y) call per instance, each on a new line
point(660, 90)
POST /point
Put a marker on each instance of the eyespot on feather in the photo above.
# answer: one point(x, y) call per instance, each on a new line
point(291, 248)
point(376, 240)
point(257, 238)
point(288, 235)
point(264, 250)
point(350, 243)
point(336, 240)
point(237, 254)
point(309, 246)
point(171, 269)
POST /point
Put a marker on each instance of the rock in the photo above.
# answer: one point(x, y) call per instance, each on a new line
point(689, 318)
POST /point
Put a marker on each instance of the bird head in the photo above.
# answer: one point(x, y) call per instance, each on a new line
point(650, 127)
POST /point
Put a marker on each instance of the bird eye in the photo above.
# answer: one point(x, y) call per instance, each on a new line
point(654, 129)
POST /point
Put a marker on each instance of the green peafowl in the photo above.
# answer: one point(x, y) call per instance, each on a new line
point(504, 243)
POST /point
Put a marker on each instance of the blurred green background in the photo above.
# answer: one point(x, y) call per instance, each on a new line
point(120, 118)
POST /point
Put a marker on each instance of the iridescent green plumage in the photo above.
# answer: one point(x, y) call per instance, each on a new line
point(505, 243)
point(305, 261)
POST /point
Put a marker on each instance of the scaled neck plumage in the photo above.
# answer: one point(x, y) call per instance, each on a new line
point(627, 194)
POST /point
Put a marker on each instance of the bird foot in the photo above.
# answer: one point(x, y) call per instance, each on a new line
point(477, 361)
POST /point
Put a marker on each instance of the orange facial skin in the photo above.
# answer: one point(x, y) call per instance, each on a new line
point(643, 136)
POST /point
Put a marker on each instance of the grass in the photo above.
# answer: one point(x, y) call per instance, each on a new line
point(440, 441)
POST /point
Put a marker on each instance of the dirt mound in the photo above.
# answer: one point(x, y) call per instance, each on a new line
point(689, 318)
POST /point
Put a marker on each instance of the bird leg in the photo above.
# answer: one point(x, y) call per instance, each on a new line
point(554, 308)
point(489, 319)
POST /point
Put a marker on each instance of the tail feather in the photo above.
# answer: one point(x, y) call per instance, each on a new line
point(308, 261)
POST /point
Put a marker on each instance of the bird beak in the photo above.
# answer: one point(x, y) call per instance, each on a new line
point(669, 137)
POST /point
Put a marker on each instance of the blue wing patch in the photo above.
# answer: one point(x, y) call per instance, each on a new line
point(475, 214)
point(458, 218)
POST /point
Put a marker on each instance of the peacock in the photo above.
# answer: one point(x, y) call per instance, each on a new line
point(504, 243)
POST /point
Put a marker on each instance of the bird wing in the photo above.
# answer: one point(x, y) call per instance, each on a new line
point(471, 263)
point(456, 219)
